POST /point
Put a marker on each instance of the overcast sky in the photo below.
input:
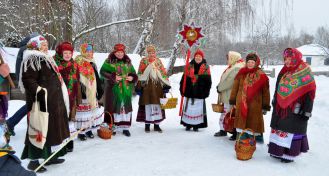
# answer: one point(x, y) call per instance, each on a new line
point(310, 14)
point(305, 15)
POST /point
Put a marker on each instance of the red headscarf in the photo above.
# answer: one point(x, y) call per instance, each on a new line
point(199, 52)
point(119, 47)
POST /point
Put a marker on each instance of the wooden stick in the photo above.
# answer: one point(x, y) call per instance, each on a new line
point(63, 145)
point(11, 82)
point(184, 81)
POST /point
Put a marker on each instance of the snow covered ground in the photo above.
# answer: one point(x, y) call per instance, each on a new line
point(177, 152)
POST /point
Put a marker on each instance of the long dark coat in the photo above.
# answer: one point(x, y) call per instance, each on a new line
point(46, 77)
point(292, 123)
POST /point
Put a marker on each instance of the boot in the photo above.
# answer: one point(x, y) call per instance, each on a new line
point(70, 146)
point(286, 160)
point(157, 128)
point(55, 161)
point(82, 137)
point(233, 137)
point(147, 128)
point(220, 133)
point(196, 129)
point(260, 139)
point(276, 157)
point(126, 133)
point(90, 134)
point(188, 128)
point(35, 164)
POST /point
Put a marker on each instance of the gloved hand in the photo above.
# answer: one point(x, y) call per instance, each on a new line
point(166, 88)
point(41, 100)
point(264, 112)
point(139, 92)
point(305, 117)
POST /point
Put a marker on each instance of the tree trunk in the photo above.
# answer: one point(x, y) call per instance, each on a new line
point(174, 52)
point(148, 30)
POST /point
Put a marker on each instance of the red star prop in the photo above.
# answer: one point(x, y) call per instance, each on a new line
point(191, 34)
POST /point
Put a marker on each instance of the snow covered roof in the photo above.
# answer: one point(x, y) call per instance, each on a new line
point(313, 50)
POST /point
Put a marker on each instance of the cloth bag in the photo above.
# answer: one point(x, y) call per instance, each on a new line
point(38, 122)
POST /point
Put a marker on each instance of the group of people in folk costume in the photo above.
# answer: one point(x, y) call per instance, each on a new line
point(71, 90)
point(245, 86)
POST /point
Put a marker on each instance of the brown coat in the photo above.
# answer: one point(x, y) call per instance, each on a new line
point(46, 77)
point(151, 93)
point(261, 101)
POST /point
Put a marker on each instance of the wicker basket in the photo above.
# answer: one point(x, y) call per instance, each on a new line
point(245, 150)
point(105, 130)
point(219, 106)
point(168, 103)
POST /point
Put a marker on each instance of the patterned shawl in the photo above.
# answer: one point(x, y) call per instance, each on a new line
point(123, 90)
point(195, 70)
point(296, 81)
point(70, 73)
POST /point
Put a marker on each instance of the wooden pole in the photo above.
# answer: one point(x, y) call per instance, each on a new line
point(65, 143)
point(184, 80)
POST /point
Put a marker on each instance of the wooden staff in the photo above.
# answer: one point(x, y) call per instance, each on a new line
point(11, 82)
point(65, 143)
point(184, 81)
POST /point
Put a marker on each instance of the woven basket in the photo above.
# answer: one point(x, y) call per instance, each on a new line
point(219, 106)
point(105, 130)
point(168, 103)
point(245, 150)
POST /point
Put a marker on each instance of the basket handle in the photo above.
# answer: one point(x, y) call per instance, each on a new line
point(170, 95)
point(243, 131)
point(111, 120)
point(219, 99)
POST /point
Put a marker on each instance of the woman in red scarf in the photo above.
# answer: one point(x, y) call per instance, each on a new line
point(250, 94)
point(68, 68)
point(198, 84)
point(293, 103)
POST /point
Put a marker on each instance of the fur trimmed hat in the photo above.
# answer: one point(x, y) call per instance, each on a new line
point(64, 46)
point(253, 56)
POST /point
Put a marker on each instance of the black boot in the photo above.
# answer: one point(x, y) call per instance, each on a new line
point(188, 128)
point(196, 129)
point(70, 146)
point(286, 160)
point(147, 128)
point(260, 139)
point(233, 137)
point(220, 133)
point(90, 134)
point(276, 157)
point(35, 164)
point(55, 161)
point(157, 128)
point(126, 133)
point(82, 137)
